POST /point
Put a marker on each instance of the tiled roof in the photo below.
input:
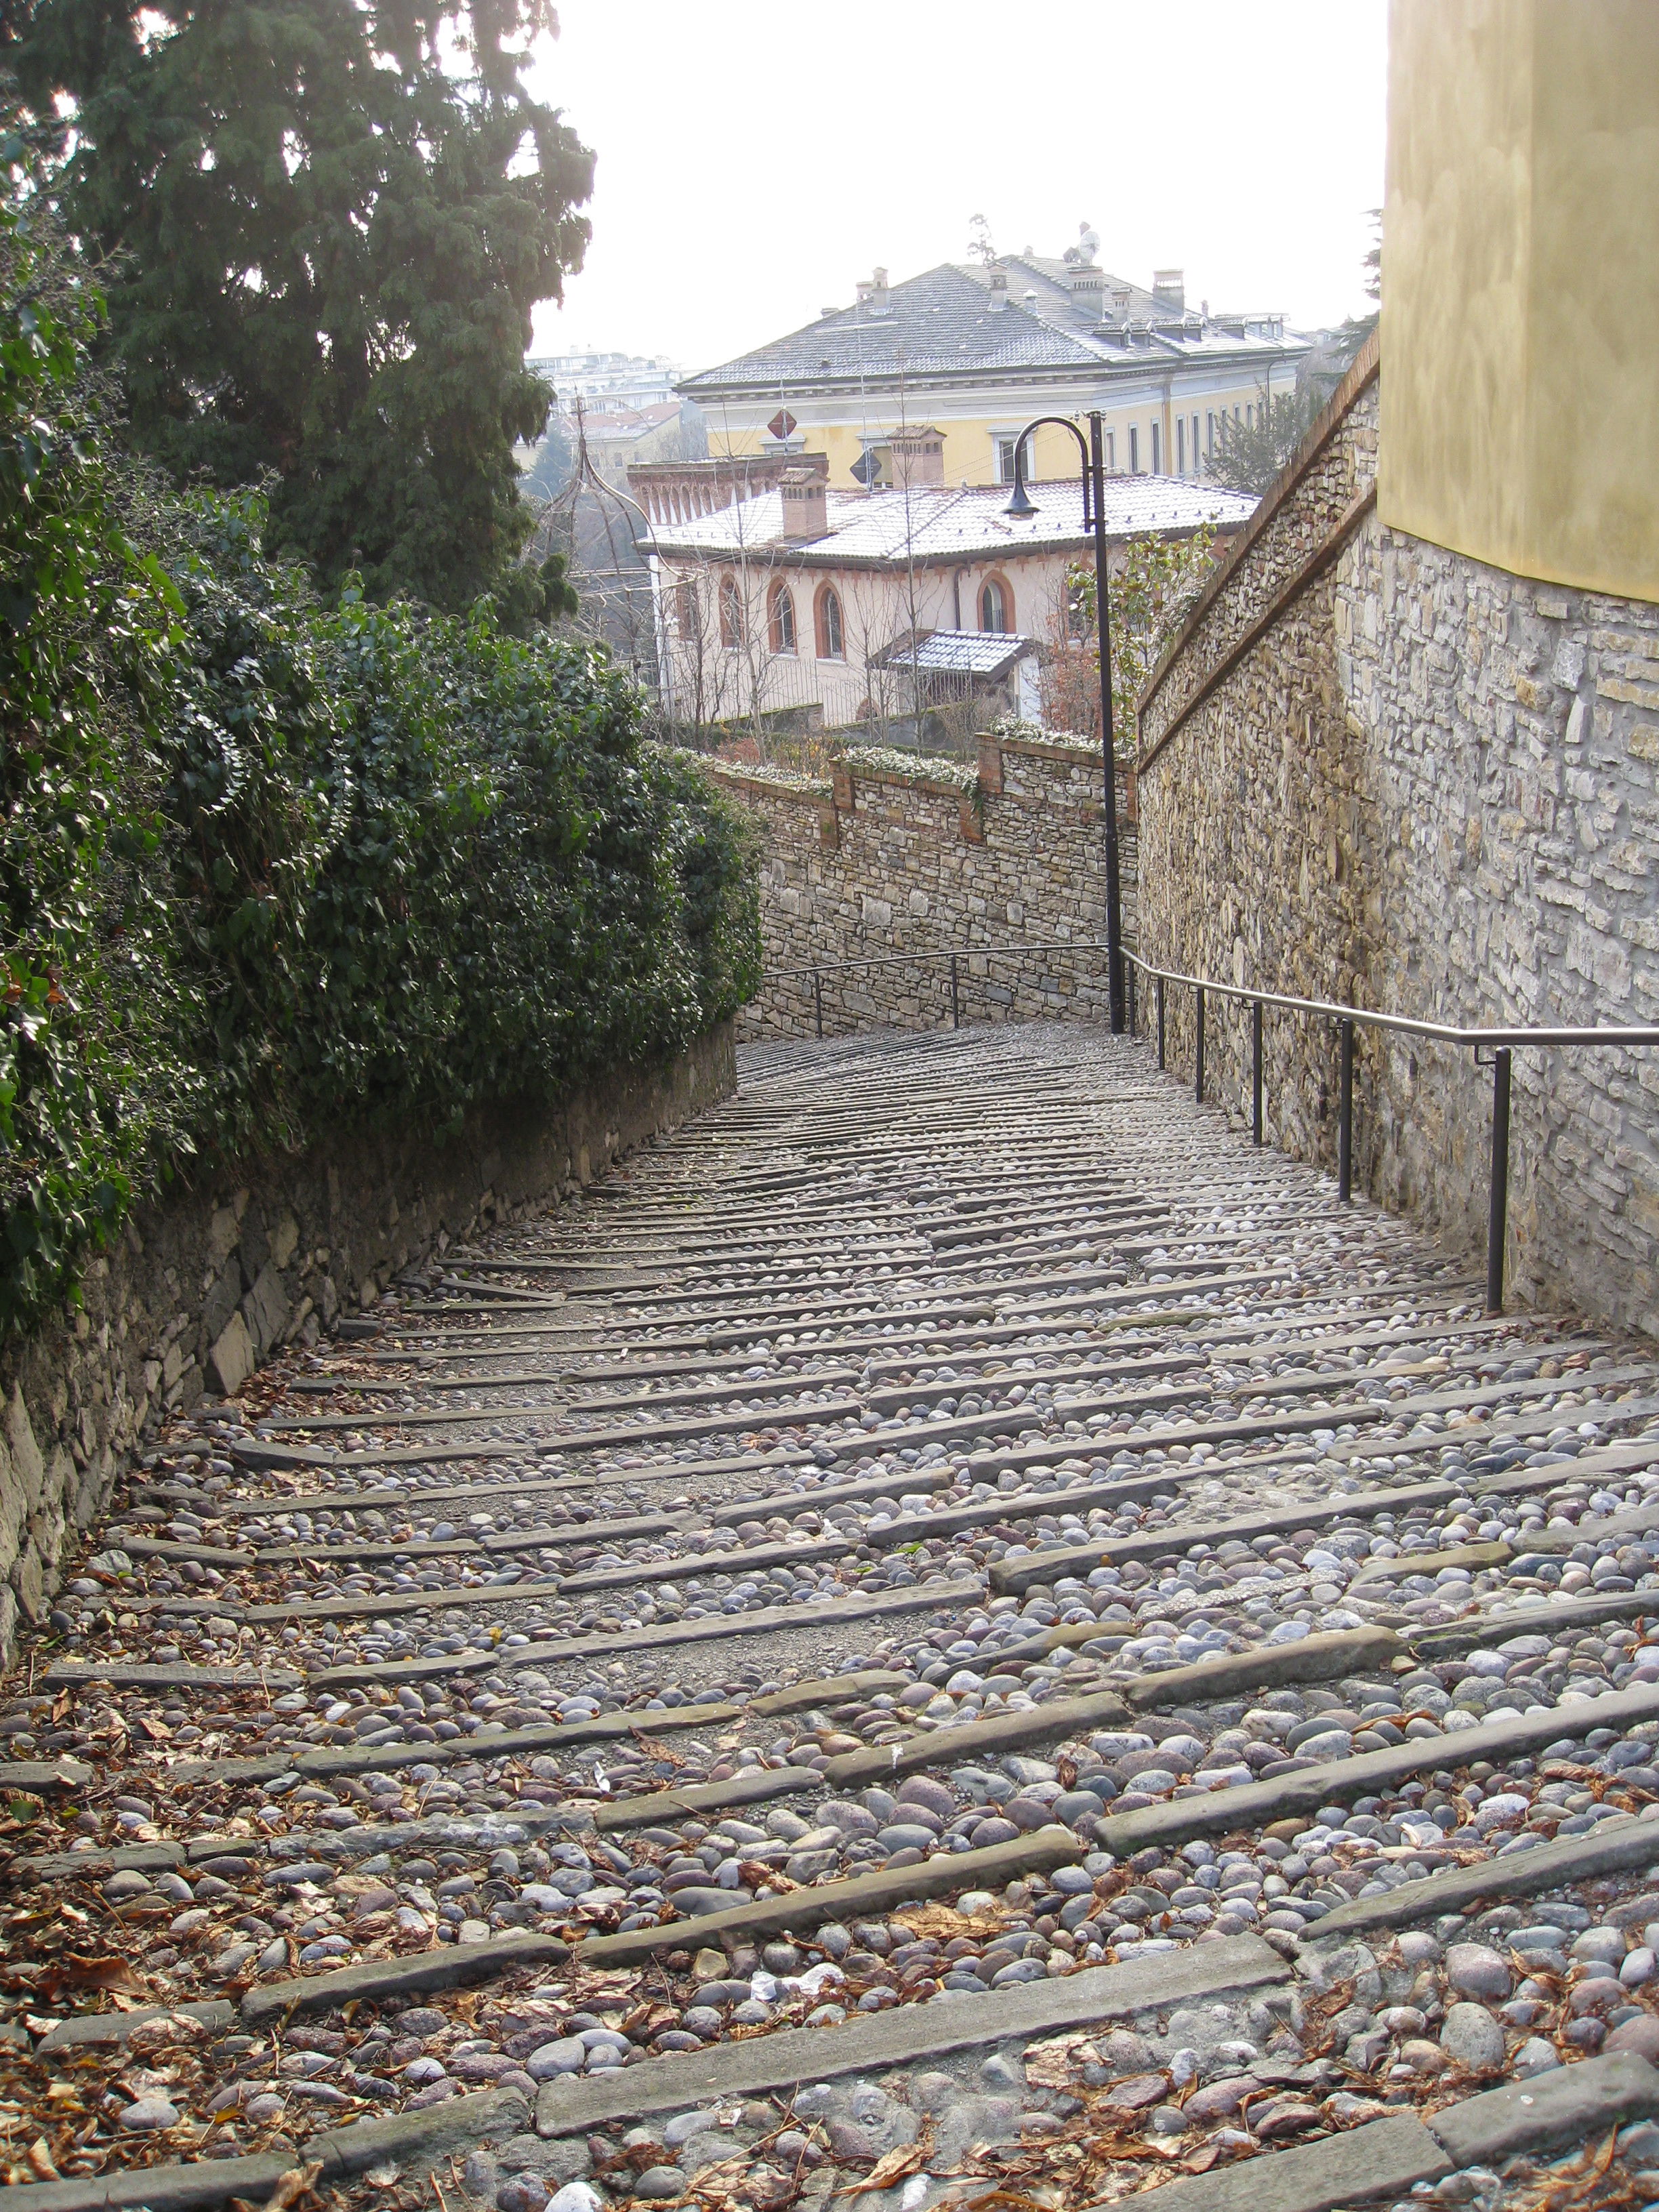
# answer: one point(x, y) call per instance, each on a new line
point(942, 323)
point(869, 529)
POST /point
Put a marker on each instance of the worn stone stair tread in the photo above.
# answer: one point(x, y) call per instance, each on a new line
point(433, 1417)
point(321, 1762)
point(343, 2153)
point(134, 1675)
point(1514, 1427)
point(1567, 2104)
point(1378, 2158)
point(82, 2030)
point(757, 1556)
point(837, 1612)
point(708, 1425)
point(1255, 1805)
point(1017, 1575)
point(93, 1866)
point(970, 1741)
point(1474, 1555)
point(332, 1501)
point(36, 1774)
point(447, 1966)
point(857, 1896)
point(905, 2036)
point(1313, 1658)
point(1615, 1846)
point(753, 1785)
point(1561, 1616)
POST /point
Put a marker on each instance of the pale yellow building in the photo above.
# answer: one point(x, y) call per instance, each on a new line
point(1520, 286)
point(979, 351)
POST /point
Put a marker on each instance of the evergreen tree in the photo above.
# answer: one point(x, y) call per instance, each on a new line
point(326, 223)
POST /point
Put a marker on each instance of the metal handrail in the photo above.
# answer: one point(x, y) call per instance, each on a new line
point(1501, 1043)
point(1363, 1016)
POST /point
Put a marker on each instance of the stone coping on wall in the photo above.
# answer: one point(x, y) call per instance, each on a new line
point(1363, 371)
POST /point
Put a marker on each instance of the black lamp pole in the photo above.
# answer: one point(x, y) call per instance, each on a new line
point(1094, 517)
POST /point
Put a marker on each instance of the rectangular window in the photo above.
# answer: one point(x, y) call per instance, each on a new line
point(1158, 445)
point(1180, 445)
point(1006, 459)
point(1196, 465)
point(1209, 435)
point(1111, 450)
point(1134, 449)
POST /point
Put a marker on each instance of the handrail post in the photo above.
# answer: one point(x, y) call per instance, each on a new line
point(956, 1004)
point(1345, 1120)
point(1498, 1202)
point(1198, 1048)
point(818, 997)
point(1255, 1070)
point(1129, 982)
point(1158, 992)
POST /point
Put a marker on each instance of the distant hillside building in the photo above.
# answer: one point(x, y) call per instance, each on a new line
point(978, 350)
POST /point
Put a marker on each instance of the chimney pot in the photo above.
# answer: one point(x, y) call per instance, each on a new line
point(918, 456)
point(805, 503)
point(1169, 288)
point(998, 297)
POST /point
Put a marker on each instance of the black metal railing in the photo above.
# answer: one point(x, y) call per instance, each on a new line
point(1492, 1047)
point(953, 955)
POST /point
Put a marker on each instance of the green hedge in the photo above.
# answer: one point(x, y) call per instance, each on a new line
point(270, 865)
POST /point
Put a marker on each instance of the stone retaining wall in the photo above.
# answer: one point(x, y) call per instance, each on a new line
point(1377, 771)
point(198, 1289)
point(879, 862)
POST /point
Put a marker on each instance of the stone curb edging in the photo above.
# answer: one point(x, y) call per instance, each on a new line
point(1390, 2157)
point(444, 1968)
point(345, 2152)
point(1615, 1847)
point(909, 2032)
point(861, 1894)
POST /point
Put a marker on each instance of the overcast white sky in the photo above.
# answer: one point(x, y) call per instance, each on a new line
point(756, 157)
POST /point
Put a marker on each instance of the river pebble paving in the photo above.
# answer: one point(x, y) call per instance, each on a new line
point(748, 1463)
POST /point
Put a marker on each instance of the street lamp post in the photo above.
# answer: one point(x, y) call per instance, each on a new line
point(1092, 449)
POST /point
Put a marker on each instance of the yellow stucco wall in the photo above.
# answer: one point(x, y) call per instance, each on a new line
point(970, 447)
point(1520, 387)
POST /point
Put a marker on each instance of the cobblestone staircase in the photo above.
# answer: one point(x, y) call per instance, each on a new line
point(954, 1635)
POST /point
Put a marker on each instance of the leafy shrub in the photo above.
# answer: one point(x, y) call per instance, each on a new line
point(270, 864)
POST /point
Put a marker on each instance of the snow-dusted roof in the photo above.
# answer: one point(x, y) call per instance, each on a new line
point(941, 324)
point(954, 651)
point(874, 529)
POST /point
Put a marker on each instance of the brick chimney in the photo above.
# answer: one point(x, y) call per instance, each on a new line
point(918, 456)
point(805, 505)
point(1169, 288)
point(999, 296)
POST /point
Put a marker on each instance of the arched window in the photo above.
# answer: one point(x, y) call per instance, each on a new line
point(781, 618)
point(831, 641)
point(730, 614)
point(996, 606)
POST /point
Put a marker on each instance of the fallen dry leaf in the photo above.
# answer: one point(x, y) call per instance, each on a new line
point(40, 2158)
point(897, 2165)
point(299, 2181)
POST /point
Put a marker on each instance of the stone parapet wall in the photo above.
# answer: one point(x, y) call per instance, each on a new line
point(878, 861)
point(269, 1253)
point(1425, 787)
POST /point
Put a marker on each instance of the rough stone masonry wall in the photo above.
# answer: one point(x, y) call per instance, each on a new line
point(1407, 780)
point(879, 862)
point(200, 1288)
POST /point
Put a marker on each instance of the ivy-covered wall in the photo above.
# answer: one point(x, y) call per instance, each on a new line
point(271, 1251)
